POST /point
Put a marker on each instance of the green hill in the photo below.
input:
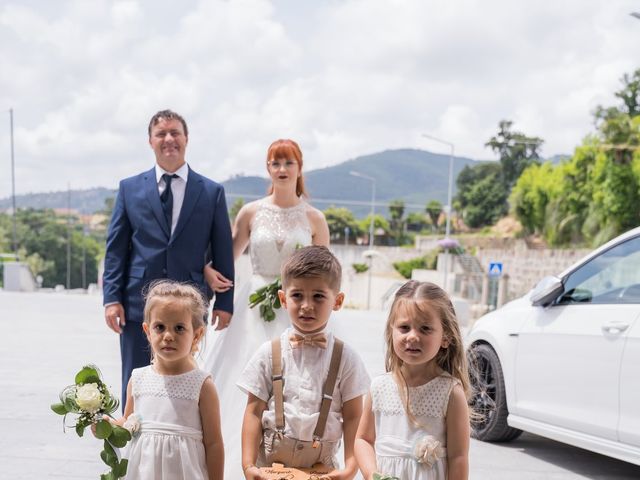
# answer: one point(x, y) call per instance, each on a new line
point(416, 176)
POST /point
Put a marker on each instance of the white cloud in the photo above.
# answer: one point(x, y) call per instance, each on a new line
point(344, 78)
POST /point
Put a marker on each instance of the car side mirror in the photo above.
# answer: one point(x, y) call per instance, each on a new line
point(546, 291)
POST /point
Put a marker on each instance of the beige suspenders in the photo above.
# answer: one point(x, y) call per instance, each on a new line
point(278, 383)
point(327, 391)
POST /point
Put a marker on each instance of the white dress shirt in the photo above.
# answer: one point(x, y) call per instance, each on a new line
point(178, 187)
point(305, 370)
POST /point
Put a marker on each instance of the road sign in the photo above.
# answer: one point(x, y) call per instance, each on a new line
point(495, 269)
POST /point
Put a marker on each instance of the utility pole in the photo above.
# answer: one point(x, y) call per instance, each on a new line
point(13, 187)
point(68, 236)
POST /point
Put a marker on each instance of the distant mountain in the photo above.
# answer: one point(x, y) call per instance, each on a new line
point(415, 176)
point(559, 158)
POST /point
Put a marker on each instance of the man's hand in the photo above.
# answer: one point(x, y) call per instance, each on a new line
point(114, 316)
point(224, 318)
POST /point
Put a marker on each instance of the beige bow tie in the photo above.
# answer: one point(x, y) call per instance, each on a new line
point(316, 340)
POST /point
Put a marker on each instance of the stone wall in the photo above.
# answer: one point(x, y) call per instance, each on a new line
point(526, 267)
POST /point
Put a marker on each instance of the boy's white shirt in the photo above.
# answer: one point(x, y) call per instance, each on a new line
point(305, 370)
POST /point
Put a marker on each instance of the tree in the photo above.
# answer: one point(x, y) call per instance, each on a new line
point(416, 222)
point(482, 195)
point(44, 236)
point(235, 208)
point(379, 222)
point(338, 219)
point(516, 151)
point(434, 209)
point(593, 196)
point(630, 94)
point(396, 220)
point(531, 195)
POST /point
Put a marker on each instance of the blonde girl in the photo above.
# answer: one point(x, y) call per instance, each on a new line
point(172, 401)
point(415, 423)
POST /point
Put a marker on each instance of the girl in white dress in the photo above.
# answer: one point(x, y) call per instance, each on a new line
point(171, 403)
point(415, 424)
point(273, 227)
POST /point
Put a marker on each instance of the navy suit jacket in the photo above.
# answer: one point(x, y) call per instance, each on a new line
point(141, 248)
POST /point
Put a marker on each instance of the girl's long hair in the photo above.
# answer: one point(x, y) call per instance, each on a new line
point(287, 149)
point(412, 298)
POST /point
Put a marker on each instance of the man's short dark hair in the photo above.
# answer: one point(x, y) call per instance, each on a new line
point(313, 262)
point(168, 115)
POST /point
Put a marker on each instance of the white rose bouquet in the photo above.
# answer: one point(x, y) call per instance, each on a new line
point(90, 399)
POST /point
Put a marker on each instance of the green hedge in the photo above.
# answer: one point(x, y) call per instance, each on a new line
point(428, 262)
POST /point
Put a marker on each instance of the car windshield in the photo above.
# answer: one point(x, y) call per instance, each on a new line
point(611, 277)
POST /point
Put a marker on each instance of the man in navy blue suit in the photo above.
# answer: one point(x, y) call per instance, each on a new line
point(166, 223)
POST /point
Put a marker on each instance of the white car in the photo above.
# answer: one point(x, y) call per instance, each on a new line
point(564, 360)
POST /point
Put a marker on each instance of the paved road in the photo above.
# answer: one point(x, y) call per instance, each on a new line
point(47, 337)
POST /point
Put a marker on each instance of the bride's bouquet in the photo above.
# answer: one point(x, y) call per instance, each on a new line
point(89, 400)
point(267, 298)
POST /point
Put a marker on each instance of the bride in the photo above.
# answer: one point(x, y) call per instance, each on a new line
point(273, 227)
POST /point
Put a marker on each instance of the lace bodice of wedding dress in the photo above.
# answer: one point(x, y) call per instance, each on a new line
point(275, 234)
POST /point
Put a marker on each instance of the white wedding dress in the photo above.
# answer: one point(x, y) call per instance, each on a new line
point(275, 234)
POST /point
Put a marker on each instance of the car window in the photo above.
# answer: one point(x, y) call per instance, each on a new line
point(611, 277)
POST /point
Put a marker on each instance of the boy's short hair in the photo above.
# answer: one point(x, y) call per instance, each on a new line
point(312, 262)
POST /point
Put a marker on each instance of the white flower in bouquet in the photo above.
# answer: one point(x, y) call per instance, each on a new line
point(89, 397)
point(428, 450)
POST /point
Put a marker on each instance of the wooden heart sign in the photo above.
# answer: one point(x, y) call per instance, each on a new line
point(279, 472)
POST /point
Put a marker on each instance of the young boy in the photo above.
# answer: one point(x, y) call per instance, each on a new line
point(294, 415)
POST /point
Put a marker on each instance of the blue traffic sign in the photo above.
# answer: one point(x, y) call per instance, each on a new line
point(495, 269)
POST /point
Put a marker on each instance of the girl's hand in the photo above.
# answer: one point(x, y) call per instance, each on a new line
point(217, 282)
point(254, 473)
point(107, 418)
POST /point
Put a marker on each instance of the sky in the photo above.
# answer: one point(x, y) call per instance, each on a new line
point(344, 78)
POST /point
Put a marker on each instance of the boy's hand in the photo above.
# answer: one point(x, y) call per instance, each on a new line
point(254, 473)
point(338, 475)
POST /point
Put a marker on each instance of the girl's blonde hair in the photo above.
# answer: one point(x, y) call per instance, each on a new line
point(163, 291)
point(412, 298)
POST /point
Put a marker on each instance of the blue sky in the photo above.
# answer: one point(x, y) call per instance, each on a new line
point(342, 77)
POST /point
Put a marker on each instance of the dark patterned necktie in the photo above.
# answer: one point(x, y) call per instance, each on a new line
point(166, 198)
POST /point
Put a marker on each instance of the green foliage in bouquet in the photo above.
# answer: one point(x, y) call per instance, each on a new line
point(379, 476)
point(90, 399)
point(267, 299)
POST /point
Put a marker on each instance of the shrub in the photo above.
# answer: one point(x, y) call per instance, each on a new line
point(360, 267)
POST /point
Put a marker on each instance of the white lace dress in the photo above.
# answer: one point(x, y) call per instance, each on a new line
point(398, 439)
point(169, 445)
point(275, 234)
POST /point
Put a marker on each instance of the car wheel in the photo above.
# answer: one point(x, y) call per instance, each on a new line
point(489, 401)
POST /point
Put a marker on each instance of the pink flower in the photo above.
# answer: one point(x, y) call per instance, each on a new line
point(133, 423)
point(428, 450)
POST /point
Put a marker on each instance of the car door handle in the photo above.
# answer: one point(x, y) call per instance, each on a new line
point(615, 328)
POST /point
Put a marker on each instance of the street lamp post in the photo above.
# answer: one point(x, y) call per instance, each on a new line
point(13, 187)
point(447, 228)
point(371, 226)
